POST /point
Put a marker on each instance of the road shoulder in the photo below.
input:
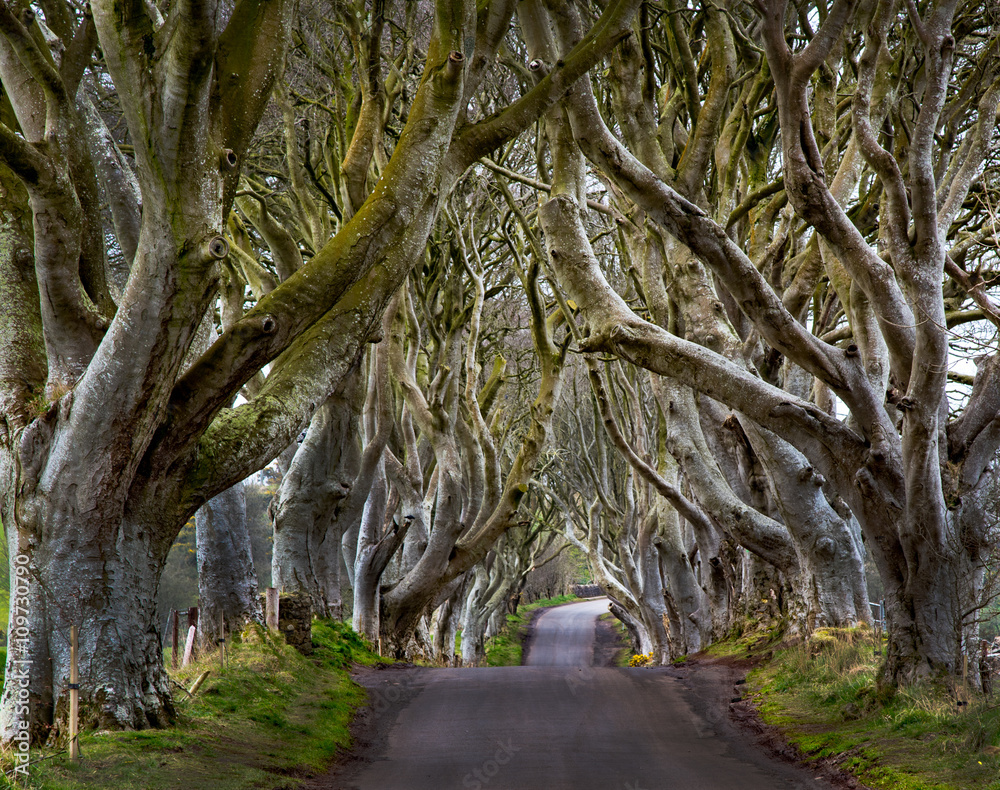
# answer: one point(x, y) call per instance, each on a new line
point(718, 686)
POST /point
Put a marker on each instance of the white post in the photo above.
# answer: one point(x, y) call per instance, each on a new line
point(271, 618)
point(74, 696)
point(189, 646)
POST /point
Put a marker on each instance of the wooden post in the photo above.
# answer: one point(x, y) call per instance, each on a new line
point(271, 608)
point(189, 645)
point(984, 669)
point(175, 617)
point(880, 629)
point(197, 684)
point(74, 696)
point(222, 640)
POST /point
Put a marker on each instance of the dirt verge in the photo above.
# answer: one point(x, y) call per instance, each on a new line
point(390, 688)
point(609, 643)
point(720, 685)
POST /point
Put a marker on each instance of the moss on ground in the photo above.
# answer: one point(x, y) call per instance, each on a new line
point(269, 719)
point(823, 695)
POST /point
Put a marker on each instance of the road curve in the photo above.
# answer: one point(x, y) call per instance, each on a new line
point(562, 727)
point(564, 636)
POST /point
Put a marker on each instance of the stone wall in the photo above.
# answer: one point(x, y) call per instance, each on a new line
point(295, 620)
point(587, 590)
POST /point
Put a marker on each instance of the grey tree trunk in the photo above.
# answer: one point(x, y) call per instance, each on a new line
point(446, 627)
point(642, 566)
point(367, 567)
point(111, 597)
point(691, 620)
point(227, 582)
point(474, 619)
point(831, 557)
point(717, 569)
point(305, 510)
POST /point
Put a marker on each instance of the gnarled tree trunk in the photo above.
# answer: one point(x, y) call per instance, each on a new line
point(306, 508)
point(227, 582)
point(72, 579)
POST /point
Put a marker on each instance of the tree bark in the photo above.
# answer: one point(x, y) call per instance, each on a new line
point(307, 530)
point(72, 580)
point(227, 581)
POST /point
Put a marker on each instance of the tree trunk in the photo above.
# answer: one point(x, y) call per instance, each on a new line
point(474, 620)
point(307, 533)
point(692, 621)
point(934, 620)
point(636, 630)
point(70, 578)
point(923, 625)
point(367, 566)
point(227, 581)
point(831, 579)
point(642, 571)
point(448, 615)
point(717, 575)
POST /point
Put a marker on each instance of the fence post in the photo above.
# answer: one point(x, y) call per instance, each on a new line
point(879, 626)
point(174, 623)
point(884, 633)
point(271, 608)
point(222, 641)
point(189, 645)
point(74, 696)
point(984, 669)
point(192, 631)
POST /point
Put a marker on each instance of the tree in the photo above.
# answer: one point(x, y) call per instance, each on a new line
point(456, 494)
point(911, 477)
point(498, 579)
point(322, 494)
point(100, 374)
point(227, 581)
point(113, 435)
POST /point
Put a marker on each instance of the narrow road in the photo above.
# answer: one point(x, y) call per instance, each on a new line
point(564, 636)
point(557, 724)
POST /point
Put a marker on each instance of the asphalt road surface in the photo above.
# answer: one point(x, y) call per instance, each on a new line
point(564, 636)
point(561, 726)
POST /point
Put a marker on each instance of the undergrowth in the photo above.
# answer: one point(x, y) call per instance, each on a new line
point(823, 694)
point(268, 719)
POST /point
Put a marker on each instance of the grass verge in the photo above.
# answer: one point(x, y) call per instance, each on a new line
point(270, 719)
point(506, 648)
point(823, 696)
point(624, 653)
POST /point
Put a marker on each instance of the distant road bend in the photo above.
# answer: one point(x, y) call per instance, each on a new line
point(564, 636)
point(558, 724)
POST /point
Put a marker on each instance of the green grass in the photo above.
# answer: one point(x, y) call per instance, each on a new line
point(824, 697)
point(505, 649)
point(270, 719)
